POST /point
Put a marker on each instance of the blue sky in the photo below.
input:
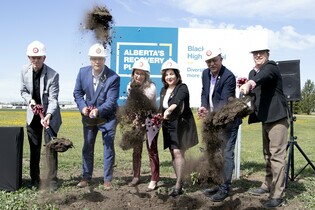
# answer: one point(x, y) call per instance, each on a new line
point(58, 24)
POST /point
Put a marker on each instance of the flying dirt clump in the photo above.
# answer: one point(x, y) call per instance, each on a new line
point(209, 167)
point(100, 21)
point(132, 116)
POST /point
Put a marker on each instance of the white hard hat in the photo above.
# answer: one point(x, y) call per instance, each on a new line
point(259, 46)
point(97, 50)
point(36, 48)
point(141, 64)
point(169, 64)
point(212, 53)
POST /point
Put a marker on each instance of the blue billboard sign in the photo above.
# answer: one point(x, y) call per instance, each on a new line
point(132, 43)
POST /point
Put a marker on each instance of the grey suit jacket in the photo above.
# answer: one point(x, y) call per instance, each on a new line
point(49, 91)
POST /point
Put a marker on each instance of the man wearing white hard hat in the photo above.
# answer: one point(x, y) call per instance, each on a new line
point(271, 109)
point(218, 85)
point(40, 85)
point(96, 93)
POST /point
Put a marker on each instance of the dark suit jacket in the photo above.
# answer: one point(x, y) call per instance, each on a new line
point(104, 98)
point(182, 127)
point(270, 102)
point(224, 89)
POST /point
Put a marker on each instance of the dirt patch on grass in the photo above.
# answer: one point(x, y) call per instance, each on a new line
point(121, 196)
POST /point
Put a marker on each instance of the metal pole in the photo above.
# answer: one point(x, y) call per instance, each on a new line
point(238, 153)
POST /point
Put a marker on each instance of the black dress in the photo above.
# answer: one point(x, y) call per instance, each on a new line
point(180, 132)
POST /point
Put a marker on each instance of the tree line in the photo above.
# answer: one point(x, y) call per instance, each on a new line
point(306, 105)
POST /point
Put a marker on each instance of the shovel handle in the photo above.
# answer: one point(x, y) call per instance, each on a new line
point(49, 132)
point(38, 109)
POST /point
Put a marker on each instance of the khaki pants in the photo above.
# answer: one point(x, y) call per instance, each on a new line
point(275, 136)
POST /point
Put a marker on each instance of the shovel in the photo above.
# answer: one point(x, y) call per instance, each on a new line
point(38, 110)
point(58, 144)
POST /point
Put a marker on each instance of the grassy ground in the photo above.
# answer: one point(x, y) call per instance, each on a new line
point(300, 190)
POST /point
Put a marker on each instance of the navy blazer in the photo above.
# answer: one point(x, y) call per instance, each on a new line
point(104, 98)
point(224, 89)
point(270, 102)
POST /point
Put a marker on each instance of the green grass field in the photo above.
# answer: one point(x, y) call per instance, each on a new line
point(301, 190)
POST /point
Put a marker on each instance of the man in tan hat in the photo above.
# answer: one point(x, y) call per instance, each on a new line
point(271, 109)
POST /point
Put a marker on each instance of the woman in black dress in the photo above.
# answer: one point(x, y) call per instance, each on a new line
point(179, 127)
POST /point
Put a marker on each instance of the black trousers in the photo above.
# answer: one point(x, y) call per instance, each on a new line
point(35, 135)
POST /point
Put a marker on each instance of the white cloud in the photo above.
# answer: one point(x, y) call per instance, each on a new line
point(267, 9)
point(195, 23)
point(287, 37)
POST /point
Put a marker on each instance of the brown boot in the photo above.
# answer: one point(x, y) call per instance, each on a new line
point(135, 181)
point(107, 186)
point(83, 183)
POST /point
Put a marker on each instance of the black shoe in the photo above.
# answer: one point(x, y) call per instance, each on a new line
point(210, 190)
point(175, 192)
point(53, 186)
point(35, 183)
point(219, 196)
point(273, 203)
point(258, 191)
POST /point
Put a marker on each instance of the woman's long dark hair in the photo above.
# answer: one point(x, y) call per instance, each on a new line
point(176, 71)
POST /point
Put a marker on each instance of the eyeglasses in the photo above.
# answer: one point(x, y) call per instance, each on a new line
point(97, 58)
point(36, 57)
point(139, 74)
point(214, 60)
point(261, 52)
